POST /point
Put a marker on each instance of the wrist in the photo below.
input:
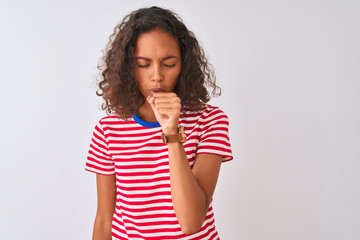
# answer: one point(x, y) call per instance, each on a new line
point(170, 131)
point(176, 136)
point(172, 144)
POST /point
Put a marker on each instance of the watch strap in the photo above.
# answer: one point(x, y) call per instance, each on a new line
point(178, 137)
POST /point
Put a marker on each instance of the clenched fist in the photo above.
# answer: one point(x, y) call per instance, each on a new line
point(166, 107)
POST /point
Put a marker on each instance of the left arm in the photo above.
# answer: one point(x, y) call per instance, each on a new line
point(191, 189)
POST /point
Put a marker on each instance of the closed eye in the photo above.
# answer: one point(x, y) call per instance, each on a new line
point(173, 65)
point(143, 65)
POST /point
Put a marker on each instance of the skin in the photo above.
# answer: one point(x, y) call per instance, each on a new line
point(157, 66)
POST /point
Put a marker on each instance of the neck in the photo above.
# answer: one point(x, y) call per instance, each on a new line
point(146, 113)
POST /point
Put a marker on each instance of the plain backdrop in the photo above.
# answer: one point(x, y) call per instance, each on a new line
point(290, 75)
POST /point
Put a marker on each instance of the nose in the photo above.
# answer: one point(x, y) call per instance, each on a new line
point(157, 75)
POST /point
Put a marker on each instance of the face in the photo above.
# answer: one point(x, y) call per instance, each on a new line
point(157, 62)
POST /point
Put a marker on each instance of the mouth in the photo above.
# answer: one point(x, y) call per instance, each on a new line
point(155, 90)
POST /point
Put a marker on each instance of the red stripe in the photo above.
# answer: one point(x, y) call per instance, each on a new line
point(144, 224)
point(125, 181)
point(146, 166)
point(144, 134)
point(138, 188)
point(147, 209)
point(145, 195)
point(98, 168)
point(159, 171)
point(144, 202)
point(142, 152)
point(158, 215)
point(135, 147)
point(98, 156)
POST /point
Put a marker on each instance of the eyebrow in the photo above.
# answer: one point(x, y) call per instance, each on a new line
point(148, 59)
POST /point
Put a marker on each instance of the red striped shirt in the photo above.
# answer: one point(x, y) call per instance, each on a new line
point(134, 151)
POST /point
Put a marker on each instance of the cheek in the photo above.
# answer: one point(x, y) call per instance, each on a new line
point(139, 76)
point(174, 77)
point(176, 72)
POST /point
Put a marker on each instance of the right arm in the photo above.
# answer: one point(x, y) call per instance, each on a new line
point(106, 195)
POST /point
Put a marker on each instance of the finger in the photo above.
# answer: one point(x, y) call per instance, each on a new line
point(168, 112)
point(151, 100)
point(158, 115)
point(159, 105)
point(167, 99)
point(164, 94)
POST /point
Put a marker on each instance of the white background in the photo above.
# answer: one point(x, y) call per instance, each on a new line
point(290, 75)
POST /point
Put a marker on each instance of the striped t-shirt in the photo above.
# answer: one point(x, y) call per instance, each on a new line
point(134, 151)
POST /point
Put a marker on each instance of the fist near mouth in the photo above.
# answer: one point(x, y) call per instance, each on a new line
point(166, 107)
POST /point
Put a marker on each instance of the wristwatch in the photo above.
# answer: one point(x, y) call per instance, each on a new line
point(178, 137)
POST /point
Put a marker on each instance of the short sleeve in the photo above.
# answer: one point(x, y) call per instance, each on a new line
point(214, 134)
point(98, 158)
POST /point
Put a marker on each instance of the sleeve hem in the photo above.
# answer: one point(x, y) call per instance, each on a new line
point(102, 173)
point(226, 158)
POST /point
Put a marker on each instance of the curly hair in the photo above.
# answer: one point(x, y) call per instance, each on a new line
point(118, 85)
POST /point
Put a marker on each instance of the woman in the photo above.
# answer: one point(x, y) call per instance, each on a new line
point(157, 153)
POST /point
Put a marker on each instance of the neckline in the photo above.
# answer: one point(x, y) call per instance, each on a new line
point(150, 124)
point(144, 123)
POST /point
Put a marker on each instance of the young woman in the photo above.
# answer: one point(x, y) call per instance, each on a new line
point(157, 153)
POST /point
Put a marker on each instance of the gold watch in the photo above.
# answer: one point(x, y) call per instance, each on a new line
point(178, 137)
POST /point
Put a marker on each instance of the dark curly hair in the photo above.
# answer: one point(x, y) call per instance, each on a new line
point(119, 88)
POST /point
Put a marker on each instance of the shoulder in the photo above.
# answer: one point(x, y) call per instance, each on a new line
point(213, 111)
point(206, 112)
point(207, 115)
point(107, 119)
point(110, 121)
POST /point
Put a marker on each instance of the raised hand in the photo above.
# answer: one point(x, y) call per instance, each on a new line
point(166, 107)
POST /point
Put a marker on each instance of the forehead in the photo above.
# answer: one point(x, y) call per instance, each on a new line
point(156, 43)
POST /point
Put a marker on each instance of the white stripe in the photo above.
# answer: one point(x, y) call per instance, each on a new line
point(150, 184)
point(148, 220)
point(149, 170)
point(143, 177)
point(134, 162)
point(162, 204)
point(143, 199)
point(143, 155)
point(145, 191)
point(100, 165)
point(144, 214)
